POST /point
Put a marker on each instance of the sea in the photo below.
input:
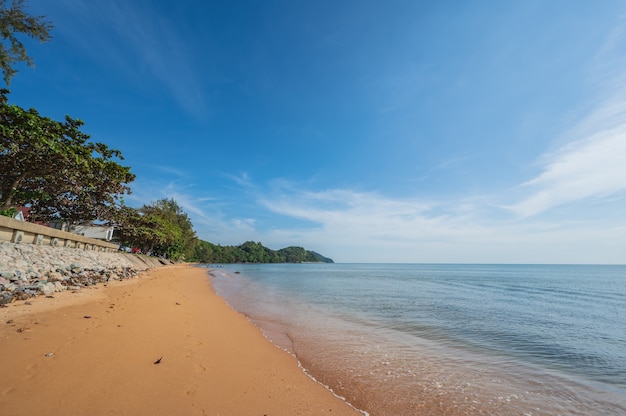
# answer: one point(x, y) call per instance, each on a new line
point(446, 339)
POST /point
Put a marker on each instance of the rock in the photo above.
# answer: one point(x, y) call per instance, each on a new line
point(55, 277)
point(48, 289)
point(28, 270)
point(22, 295)
point(6, 298)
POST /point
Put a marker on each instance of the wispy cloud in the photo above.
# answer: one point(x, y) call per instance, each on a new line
point(345, 215)
point(210, 215)
point(345, 207)
point(592, 167)
point(164, 169)
point(138, 40)
point(368, 226)
point(371, 227)
point(243, 179)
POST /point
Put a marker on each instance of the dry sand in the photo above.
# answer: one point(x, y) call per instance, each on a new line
point(93, 353)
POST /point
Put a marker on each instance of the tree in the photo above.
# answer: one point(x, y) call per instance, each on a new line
point(144, 231)
point(161, 227)
point(14, 20)
point(251, 252)
point(53, 167)
point(182, 237)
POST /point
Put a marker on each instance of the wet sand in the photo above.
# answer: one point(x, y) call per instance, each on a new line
point(94, 352)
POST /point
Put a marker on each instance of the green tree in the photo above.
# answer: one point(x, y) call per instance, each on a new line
point(53, 167)
point(294, 254)
point(181, 236)
point(161, 227)
point(204, 252)
point(14, 20)
point(251, 252)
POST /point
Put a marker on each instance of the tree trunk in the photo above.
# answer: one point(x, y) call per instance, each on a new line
point(6, 199)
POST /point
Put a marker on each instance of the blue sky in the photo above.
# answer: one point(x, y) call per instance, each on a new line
point(369, 131)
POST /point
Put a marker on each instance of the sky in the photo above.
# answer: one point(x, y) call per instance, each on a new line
point(398, 131)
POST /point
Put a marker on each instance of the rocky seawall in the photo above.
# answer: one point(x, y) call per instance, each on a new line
point(28, 270)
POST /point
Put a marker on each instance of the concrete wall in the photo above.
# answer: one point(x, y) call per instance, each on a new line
point(21, 232)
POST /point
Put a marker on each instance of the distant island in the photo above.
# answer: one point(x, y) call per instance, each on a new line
point(251, 252)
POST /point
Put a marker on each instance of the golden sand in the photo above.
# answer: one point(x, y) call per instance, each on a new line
point(94, 353)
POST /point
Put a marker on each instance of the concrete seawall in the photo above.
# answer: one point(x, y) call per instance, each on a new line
point(15, 231)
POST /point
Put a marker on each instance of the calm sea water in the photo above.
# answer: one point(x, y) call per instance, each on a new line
point(420, 339)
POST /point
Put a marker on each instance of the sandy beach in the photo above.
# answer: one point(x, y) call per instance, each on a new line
point(94, 352)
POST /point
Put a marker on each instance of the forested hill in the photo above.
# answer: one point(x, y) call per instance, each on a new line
point(251, 252)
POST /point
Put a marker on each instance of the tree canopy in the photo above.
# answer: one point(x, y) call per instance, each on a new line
point(55, 168)
point(164, 229)
point(161, 227)
point(251, 252)
point(14, 20)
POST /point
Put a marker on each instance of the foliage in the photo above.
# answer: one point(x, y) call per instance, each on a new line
point(8, 212)
point(14, 20)
point(251, 252)
point(161, 228)
point(321, 259)
point(53, 166)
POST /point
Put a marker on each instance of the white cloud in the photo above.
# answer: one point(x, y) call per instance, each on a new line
point(353, 226)
point(368, 227)
point(243, 179)
point(366, 213)
point(591, 167)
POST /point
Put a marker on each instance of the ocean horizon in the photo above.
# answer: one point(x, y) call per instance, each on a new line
point(446, 339)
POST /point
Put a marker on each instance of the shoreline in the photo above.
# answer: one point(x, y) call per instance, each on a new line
point(93, 352)
point(384, 338)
